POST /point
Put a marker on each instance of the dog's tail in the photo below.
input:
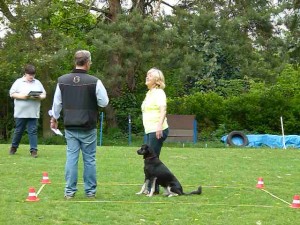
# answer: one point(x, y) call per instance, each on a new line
point(197, 192)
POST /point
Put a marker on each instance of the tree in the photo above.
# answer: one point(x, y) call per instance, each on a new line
point(291, 20)
point(202, 46)
point(66, 24)
point(127, 44)
point(227, 40)
point(43, 33)
point(125, 51)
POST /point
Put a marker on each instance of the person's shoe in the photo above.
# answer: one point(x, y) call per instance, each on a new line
point(12, 150)
point(91, 196)
point(34, 154)
point(68, 197)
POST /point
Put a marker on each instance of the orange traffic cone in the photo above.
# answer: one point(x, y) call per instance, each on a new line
point(32, 196)
point(260, 183)
point(296, 202)
point(45, 179)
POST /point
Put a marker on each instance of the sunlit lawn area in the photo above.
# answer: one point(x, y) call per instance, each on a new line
point(228, 176)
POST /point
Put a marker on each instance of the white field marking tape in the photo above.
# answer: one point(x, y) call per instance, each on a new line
point(275, 196)
point(41, 188)
point(187, 203)
point(182, 203)
point(189, 185)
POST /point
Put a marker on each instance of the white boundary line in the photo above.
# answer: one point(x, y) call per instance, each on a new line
point(274, 196)
point(188, 185)
point(184, 203)
point(181, 203)
point(41, 188)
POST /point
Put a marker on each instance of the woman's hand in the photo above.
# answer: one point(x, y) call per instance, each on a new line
point(159, 131)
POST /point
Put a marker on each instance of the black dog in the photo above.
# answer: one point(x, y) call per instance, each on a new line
point(156, 172)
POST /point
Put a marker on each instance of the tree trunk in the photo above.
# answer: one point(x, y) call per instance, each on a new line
point(46, 103)
point(110, 117)
point(46, 106)
point(114, 88)
point(114, 9)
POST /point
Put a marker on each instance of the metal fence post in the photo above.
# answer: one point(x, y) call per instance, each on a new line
point(195, 132)
point(101, 128)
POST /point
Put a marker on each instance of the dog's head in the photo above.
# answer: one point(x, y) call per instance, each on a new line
point(146, 151)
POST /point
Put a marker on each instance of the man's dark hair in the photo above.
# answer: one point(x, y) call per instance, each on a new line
point(29, 69)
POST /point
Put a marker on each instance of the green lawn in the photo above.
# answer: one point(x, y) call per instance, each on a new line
point(228, 175)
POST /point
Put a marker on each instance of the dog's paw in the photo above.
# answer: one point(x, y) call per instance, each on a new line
point(146, 192)
point(172, 195)
point(149, 195)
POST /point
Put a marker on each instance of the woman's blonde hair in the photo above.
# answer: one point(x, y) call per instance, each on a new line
point(159, 77)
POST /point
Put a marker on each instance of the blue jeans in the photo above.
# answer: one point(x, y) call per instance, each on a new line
point(156, 144)
point(86, 141)
point(21, 124)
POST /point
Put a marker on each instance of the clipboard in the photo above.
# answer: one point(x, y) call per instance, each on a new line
point(35, 93)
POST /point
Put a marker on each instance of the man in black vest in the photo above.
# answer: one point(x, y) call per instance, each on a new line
point(79, 95)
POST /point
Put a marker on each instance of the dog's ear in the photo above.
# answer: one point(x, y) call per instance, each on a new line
point(150, 151)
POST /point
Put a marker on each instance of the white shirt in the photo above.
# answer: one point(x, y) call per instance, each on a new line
point(26, 108)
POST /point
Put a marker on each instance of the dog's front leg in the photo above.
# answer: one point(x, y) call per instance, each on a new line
point(152, 187)
point(167, 191)
point(144, 188)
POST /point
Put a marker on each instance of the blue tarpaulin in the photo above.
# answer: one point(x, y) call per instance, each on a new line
point(272, 141)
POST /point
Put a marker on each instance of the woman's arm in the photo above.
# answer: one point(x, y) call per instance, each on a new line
point(163, 113)
point(19, 96)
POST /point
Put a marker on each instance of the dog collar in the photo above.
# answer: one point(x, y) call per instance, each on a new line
point(151, 157)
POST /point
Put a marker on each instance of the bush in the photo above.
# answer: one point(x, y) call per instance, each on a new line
point(256, 111)
point(207, 107)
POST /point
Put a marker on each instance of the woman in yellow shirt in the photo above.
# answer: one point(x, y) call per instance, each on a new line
point(154, 109)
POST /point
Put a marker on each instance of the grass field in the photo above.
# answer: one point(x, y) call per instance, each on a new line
point(228, 175)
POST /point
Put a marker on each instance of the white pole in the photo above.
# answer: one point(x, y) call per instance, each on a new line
point(283, 140)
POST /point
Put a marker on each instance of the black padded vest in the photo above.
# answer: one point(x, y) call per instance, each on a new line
point(79, 101)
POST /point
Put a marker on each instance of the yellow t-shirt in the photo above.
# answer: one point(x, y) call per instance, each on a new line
point(150, 109)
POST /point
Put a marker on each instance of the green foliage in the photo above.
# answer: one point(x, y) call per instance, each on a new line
point(72, 19)
point(126, 106)
point(234, 50)
point(260, 110)
point(40, 36)
point(232, 87)
point(137, 45)
point(52, 140)
point(255, 110)
point(114, 136)
point(174, 87)
point(292, 22)
point(207, 107)
point(124, 52)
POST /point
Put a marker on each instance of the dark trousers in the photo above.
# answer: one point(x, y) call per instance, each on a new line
point(21, 124)
point(156, 144)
